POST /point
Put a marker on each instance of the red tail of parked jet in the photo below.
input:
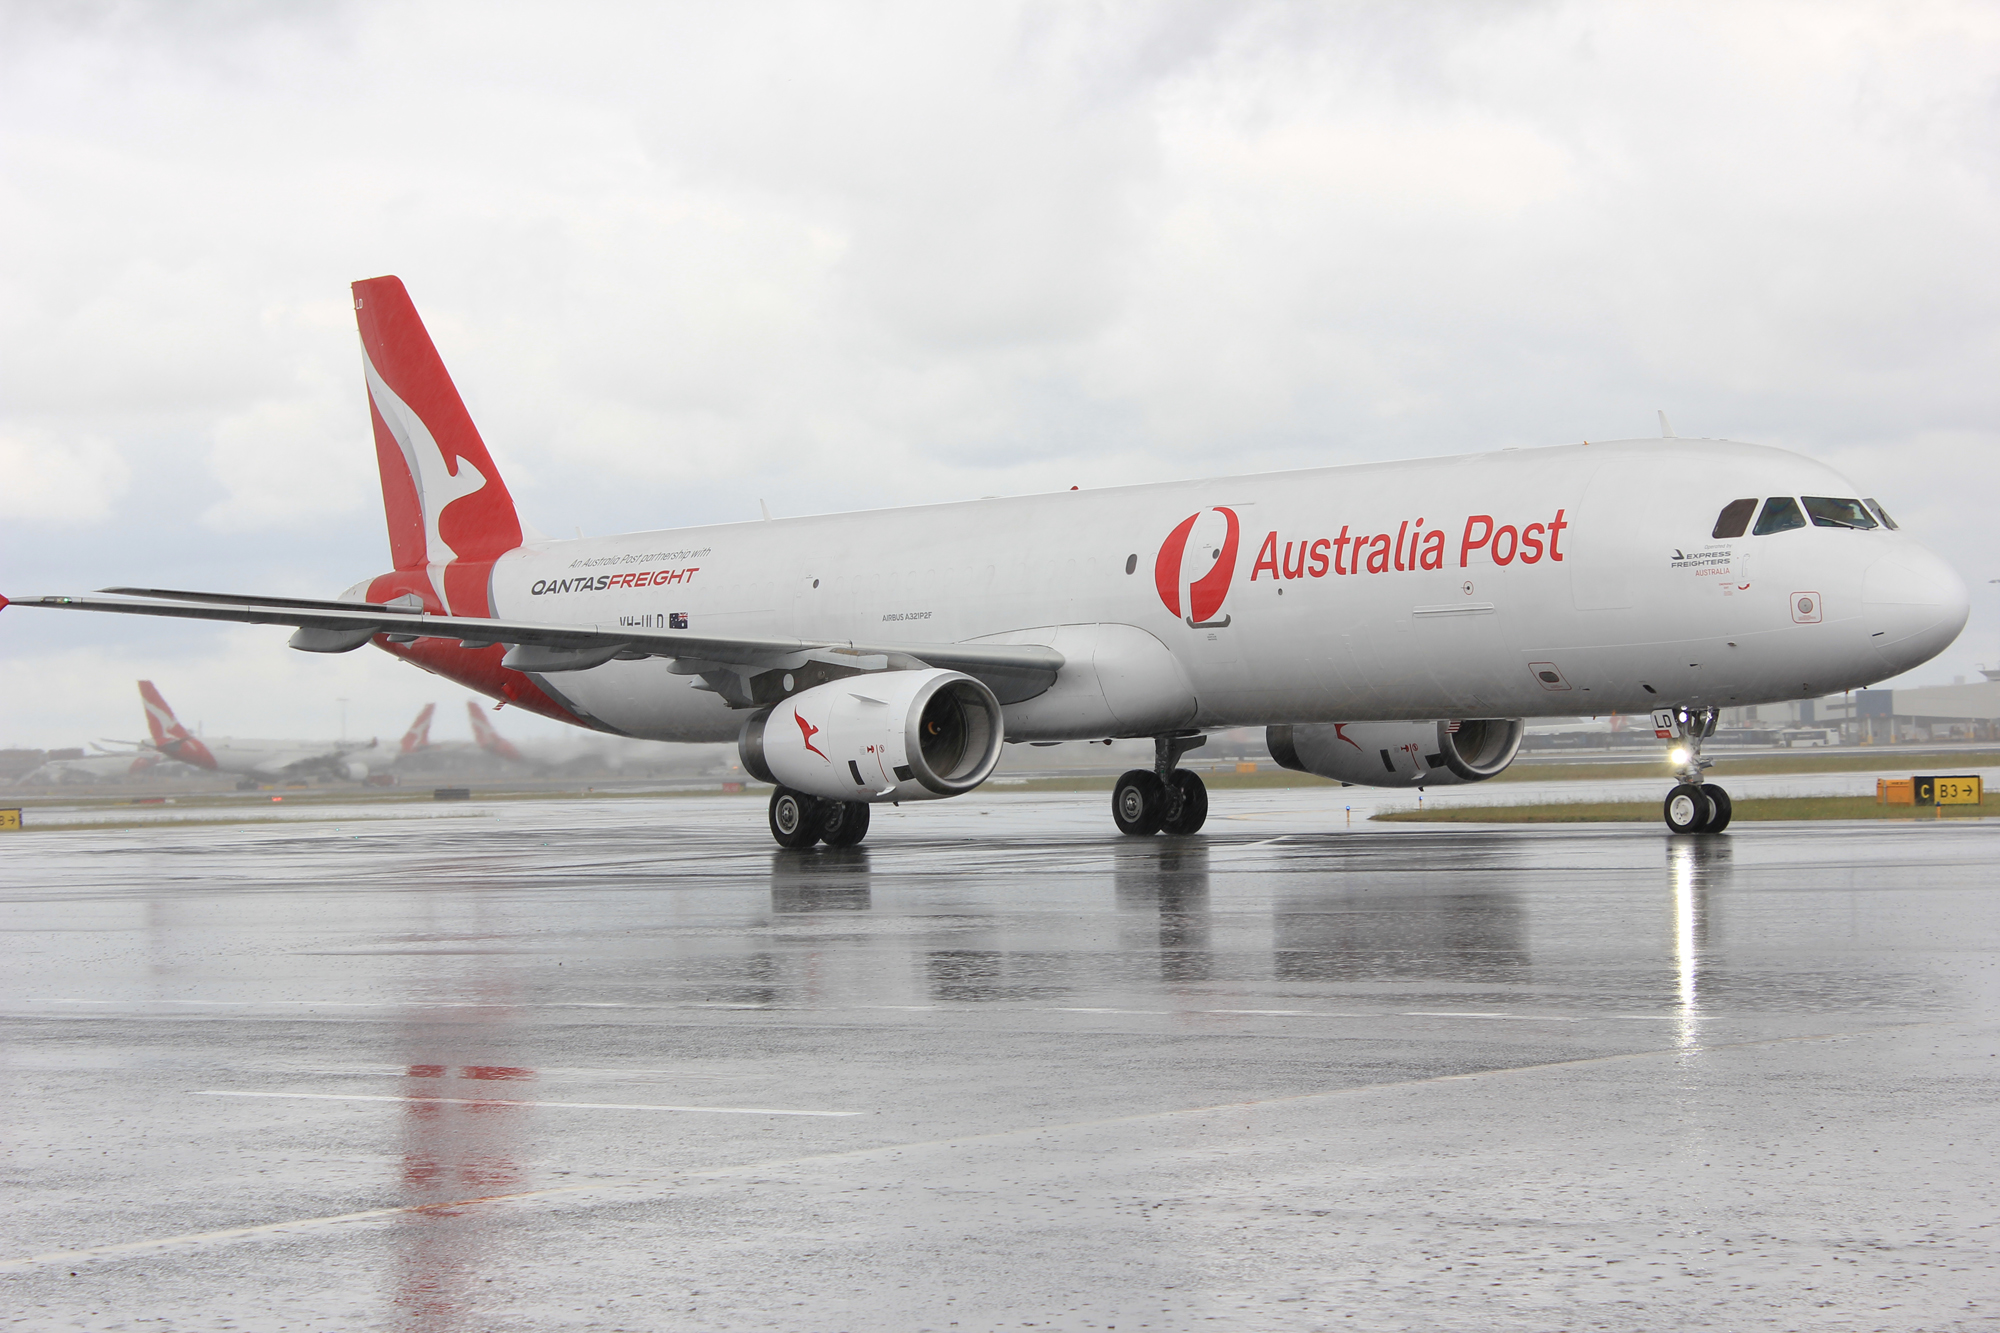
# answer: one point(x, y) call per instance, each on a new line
point(170, 738)
point(490, 740)
point(418, 737)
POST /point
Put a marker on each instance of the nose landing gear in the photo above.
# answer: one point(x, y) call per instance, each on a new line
point(1693, 806)
point(1163, 798)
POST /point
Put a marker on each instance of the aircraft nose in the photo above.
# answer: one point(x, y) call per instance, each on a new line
point(1918, 604)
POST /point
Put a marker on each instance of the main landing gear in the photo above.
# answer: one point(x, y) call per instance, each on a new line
point(799, 820)
point(1693, 806)
point(1162, 798)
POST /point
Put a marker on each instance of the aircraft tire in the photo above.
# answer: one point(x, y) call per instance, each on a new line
point(1720, 808)
point(795, 818)
point(1138, 804)
point(1194, 805)
point(1687, 809)
point(843, 823)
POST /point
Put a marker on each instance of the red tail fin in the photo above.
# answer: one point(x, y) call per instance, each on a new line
point(489, 739)
point(160, 719)
point(170, 738)
point(418, 737)
point(449, 512)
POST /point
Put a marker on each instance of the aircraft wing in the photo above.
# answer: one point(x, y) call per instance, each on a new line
point(308, 759)
point(291, 761)
point(731, 665)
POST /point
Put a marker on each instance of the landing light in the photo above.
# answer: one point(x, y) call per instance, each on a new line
point(1677, 755)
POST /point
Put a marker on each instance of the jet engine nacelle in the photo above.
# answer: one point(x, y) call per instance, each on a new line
point(1398, 754)
point(355, 770)
point(881, 736)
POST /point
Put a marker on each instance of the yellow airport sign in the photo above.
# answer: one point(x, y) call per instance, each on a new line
point(10, 819)
point(1948, 790)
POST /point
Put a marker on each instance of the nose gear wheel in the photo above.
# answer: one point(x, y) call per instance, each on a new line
point(1687, 809)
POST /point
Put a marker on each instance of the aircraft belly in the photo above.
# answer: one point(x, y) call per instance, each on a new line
point(646, 700)
point(1116, 680)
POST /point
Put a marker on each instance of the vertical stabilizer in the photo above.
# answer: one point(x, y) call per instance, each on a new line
point(489, 739)
point(418, 737)
point(449, 512)
point(170, 738)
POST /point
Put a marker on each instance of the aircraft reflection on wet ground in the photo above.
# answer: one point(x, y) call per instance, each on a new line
point(621, 1066)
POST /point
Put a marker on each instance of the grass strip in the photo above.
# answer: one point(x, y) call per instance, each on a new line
point(258, 818)
point(1851, 759)
point(1631, 812)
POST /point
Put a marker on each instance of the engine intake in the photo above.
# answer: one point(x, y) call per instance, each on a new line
point(884, 736)
point(1398, 754)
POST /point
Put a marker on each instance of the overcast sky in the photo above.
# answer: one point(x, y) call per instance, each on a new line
point(838, 256)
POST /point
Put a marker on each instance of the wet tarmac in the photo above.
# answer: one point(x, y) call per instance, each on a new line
point(625, 1066)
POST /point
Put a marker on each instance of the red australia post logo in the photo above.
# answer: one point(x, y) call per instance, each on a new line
point(1197, 595)
point(806, 733)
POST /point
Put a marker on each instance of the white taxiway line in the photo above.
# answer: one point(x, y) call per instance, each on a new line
point(509, 1101)
point(303, 1224)
point(1478, 1013)
point(860, 1008)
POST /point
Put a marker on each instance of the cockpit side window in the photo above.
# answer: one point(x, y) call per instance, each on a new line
point(1781, 514)
point(1735, 518)
point(1828, 512)
point(1875, 508)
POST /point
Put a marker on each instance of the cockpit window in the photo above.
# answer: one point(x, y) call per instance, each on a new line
point(1781, 514)
point(1828, 512)
point(1735, 518)
point(1875, 508)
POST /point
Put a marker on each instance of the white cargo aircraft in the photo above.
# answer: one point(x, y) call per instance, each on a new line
point(1391, 624)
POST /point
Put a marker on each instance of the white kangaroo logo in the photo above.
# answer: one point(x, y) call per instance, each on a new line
point(436, 485)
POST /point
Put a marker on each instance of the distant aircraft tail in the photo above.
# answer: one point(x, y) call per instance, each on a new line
point(170, 738)
point(489, 740)
point(160, 719)
point(418, 737)
point(449, 513)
